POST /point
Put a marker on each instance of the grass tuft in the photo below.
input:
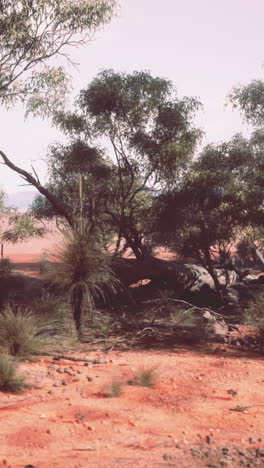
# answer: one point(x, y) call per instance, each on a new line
point(21, 334)
point(113, 390)
point(254, 315)
point(9, 381)
point(146, 377)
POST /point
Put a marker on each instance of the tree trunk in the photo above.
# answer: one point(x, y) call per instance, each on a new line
point(77, 303)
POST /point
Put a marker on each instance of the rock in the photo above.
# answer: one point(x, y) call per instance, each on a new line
point(167, 456)
point(218, 328)
point(252, 440)
point(197, 277)
point(209, 439)
point(241, 452)
point(232, 392)
point(60, 370)
point(63, 382)
point(260, 452)
point(90, 379)
point(225, 450)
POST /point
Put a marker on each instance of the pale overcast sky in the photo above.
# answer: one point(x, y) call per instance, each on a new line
point(204, 47)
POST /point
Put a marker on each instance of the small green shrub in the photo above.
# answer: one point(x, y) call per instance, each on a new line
point(21, 335)
point(146, 377)
point(113, 390)
point(9, 381)
point(254, 313)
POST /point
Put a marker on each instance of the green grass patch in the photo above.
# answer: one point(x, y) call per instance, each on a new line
point(9, 381)
point(22, 335)
point(113, 390)
point(146, 377)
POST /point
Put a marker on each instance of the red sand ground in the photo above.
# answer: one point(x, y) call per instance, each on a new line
point(73, 425)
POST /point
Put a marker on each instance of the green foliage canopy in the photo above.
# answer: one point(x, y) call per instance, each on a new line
point(218, 197)
point(148, 137)
point(250, 100)
point(33, 33)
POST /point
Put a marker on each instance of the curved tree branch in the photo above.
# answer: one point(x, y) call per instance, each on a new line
point(58, 206)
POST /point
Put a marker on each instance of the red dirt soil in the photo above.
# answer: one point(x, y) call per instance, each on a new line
point(66, 421)
point(75, 425)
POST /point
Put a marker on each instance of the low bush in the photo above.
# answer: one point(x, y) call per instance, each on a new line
point(146, 377)
point(21, 335)
point(254, 314)
point(113, 390)
point(9, 381)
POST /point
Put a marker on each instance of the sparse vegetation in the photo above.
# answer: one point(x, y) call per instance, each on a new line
point(254, 314)
point(113, 390)
point(21, 335)
point(9, 381)
point(147, 376)
point(83, 272)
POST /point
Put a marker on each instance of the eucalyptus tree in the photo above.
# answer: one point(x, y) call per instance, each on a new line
point(34, 36)
point(218, 198)
point(249, 99)
point(148, 134)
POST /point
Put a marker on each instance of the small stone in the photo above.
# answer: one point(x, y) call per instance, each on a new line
point(167, 456)
point(260, 452)
point(67, 370)
point(195, 452)
point(252, 440)
point(50, 392)
point(79, 371)
point(232, 392)
point(48, 431)
point(63, 382)
point(75, 379)
point(56, 385)
point(209, 439)
point(91, 428)
point(90, 379)
point(240, 452)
